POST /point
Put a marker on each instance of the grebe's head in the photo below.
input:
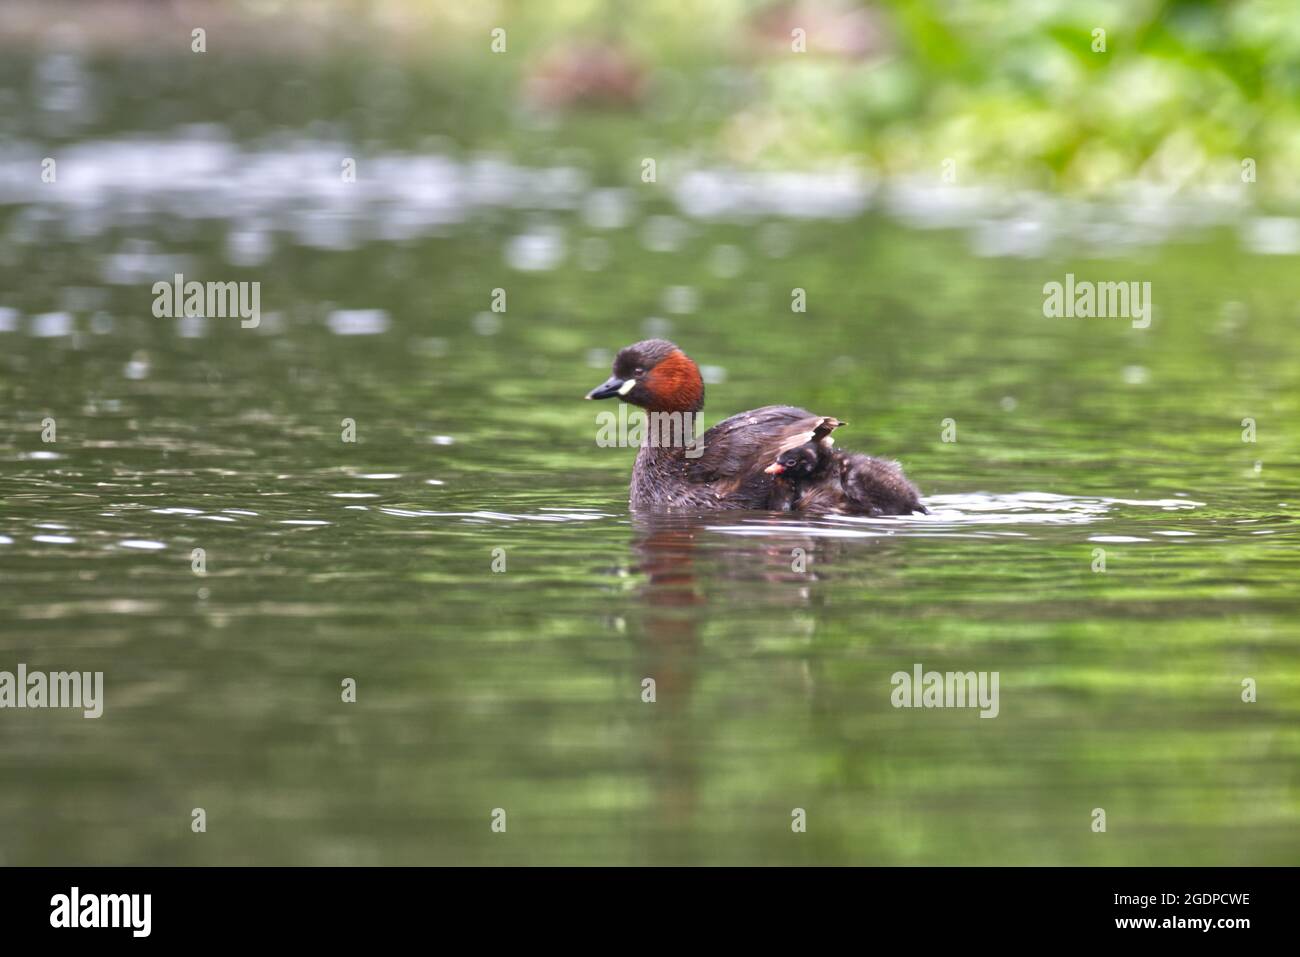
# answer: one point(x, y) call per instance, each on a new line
point(655, 375)
point(796, 463)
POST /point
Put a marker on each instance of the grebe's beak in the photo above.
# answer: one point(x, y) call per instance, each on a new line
point(776, 468)
point(609, 388)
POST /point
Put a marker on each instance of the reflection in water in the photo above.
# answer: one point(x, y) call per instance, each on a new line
point(668, 651)
point(692, 570)
point(290, 189)
point(666, 632)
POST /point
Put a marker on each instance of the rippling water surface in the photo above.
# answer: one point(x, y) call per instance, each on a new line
point(1100, 534)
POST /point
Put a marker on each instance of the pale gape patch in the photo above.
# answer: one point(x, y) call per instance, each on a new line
point(627, 387)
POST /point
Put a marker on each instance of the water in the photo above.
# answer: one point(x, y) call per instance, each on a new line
point(771, 639)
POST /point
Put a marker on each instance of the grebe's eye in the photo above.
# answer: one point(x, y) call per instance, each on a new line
point(639, 371)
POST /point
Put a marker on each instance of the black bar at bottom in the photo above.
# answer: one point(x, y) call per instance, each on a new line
point(332, 906)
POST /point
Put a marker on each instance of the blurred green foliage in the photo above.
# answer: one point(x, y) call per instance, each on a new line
point(1018, 94)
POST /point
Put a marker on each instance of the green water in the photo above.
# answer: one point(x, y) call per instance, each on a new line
point(521, 689)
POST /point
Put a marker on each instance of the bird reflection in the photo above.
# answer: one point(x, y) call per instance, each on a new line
point(689, 571)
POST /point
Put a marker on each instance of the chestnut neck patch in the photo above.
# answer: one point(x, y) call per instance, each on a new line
point(675, 385)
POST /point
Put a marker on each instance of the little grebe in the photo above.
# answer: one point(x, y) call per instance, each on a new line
point(742, 462)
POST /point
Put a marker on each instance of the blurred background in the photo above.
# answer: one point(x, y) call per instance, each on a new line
point(918, 170)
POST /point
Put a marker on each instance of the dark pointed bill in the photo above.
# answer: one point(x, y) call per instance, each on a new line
point(609, 388)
